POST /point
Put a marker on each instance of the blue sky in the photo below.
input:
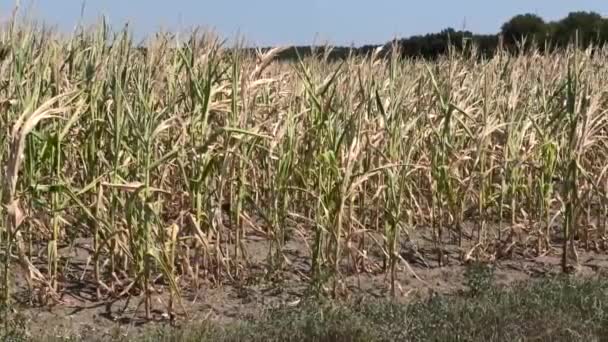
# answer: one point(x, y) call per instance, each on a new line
point(272, 22)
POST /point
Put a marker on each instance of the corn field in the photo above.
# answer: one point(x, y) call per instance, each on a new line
point(167, 158)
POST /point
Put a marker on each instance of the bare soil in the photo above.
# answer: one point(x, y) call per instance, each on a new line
point(80, 313)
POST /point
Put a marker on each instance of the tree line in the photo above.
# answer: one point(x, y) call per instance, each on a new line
point(520, 32)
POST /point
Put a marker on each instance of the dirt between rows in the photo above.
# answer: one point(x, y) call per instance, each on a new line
point(79, 313)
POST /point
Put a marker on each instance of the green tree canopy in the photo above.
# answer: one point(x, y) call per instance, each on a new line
point(588, 24)
point(591, 28)
point(526, 26)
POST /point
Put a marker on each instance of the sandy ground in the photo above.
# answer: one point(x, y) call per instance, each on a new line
point(80, 313)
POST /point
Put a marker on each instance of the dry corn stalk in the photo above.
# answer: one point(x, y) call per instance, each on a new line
point(14, 215)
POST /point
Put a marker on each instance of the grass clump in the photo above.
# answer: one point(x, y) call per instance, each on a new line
point(559, 309)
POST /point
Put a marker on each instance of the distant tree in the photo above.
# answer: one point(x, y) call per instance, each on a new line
point(604, 31)
point(592, 28)
point(528, 26)
point(588, 25)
